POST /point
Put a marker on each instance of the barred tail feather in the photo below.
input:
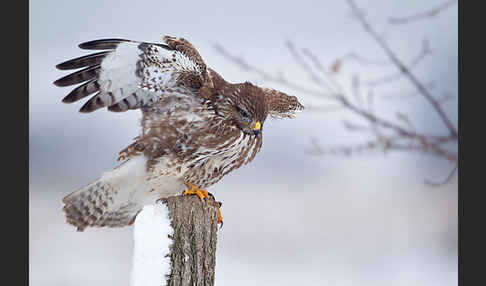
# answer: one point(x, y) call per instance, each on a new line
point(113, 200)
point(94, 204)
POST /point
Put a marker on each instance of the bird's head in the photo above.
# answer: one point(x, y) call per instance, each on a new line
point(249, 106)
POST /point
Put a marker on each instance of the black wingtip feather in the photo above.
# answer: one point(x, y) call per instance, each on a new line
point(104, 44)
point(78, 77)
point(82, 91)
point(84, 61)
point(94, 103)
point(89, 106)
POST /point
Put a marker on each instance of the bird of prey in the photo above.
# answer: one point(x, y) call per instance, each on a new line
point(195, 128)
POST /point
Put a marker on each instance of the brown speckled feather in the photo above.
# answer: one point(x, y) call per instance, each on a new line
point(196, 127)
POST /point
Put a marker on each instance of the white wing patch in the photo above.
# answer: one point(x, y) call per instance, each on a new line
point(134, 75)
point(118, 69)
point(129, 74)
point(149, 71)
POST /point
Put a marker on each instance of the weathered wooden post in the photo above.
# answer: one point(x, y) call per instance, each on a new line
point(191, 251)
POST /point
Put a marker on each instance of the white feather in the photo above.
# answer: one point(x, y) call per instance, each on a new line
point(150, 74)
point(135, 184)
point(118, 71)
point(129, 179)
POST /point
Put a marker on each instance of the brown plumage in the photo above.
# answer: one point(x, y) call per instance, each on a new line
point(196, 127)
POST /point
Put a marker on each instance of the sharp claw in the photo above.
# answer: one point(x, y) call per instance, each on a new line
point(220, 217)
point(212, 196)
point(203, 196)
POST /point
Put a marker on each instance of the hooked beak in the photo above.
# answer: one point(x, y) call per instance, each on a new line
point(256, 128)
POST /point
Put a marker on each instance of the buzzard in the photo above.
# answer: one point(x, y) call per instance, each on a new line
point(195, 128)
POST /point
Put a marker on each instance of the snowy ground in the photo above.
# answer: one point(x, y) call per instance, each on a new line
point(340, 237)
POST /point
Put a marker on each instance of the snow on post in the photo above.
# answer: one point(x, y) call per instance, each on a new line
point(175, 243)
point(151, 237)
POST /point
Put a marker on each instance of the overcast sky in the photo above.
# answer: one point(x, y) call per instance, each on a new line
point(366, 220)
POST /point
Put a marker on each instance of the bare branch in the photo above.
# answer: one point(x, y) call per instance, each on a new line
point(266, 76)
point(406, 71)
point(397, 134)
point(444, 181)
point(378, 121)
point(368, 115)
point(390, 78)
point(423, 15)
point(403, 117)
point(363, 61)
point(386, 144)
point(312, 75)
point(327, 74)
point(445, 97)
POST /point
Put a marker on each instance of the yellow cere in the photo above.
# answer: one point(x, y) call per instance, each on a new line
point(257, 125)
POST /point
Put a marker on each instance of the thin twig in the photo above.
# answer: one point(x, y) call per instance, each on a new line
point(363, 61)
point(393, 77)
point(423, 15)
point(320, 67)
point(313, 76)
point(444, 181)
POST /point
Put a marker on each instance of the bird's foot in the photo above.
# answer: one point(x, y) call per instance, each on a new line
point(203, 196)
point(194, 190)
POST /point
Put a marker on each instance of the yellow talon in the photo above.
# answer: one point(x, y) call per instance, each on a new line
point(220, 217)
point(203, 196)
point(193, 190)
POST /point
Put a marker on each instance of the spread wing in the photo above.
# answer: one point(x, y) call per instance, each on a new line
point(128, 74)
